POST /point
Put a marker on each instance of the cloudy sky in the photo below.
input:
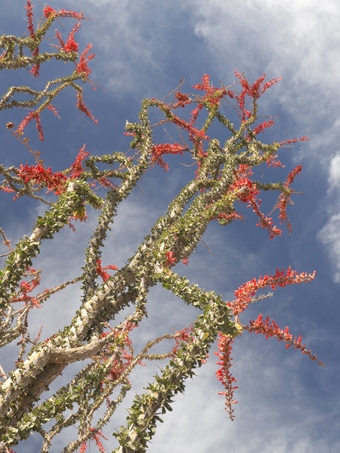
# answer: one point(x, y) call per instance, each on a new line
point(143, 49)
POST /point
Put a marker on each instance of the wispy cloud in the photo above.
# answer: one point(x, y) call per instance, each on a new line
point(329, 235)
point(334, 172)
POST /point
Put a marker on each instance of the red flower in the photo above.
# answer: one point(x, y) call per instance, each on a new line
point(294, 140)
point(183, 100)
point(30, 17)
point(247, 191)
point(71, 45)
point(213, 95)
point(223, 374)
point(181, 336)
point(37, 174)
point(84, 59)
point(261, 127)
point(170, 258)
point(253, 91)
point(96, 436)
point(27, 287)
point(284, 198)
point(157, 151)
point(83, 108)
point(101, 270)
point(77, 167)
point(246, 292)
point(47, 11)
point(28, 118)
point(269, 328)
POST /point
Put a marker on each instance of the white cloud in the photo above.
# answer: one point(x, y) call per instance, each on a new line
point(330, 236)
point(272, 413)
point(334, 172)
point(131, 39)
point(290, 36)
point(298, 40)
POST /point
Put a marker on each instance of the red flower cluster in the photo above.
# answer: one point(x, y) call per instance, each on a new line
point(27, 287)
point(258, 88)
point(284, 198)
point(227, 218)
point(77, 166)
point(35, 52)
point(181, 336)
point(170, 258)
point(71, 45)
point(245, 295)
point(290, 178)
point(120, 349)
point(253, 91)
point(96, 436)
point(223, 374)
point(83, 108)
point(44, 177)
point(28, 118)
point(49, 11)
point(265, 221)
point(261, 127)
point(247, 192)
point(196, 136)
point(6, 189)
point(82, 66)
point(119, 365)
point(30, 17)
point(269, 328)
point(37, 174)
point(101, 270)
point(211, 98)
point(246, 292)
point(182, 99)
point(157, 152)
point(294, 140)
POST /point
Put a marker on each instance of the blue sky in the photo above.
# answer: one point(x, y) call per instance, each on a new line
point(143, 49)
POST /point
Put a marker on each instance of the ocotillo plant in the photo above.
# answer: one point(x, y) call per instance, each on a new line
point(223, 178)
